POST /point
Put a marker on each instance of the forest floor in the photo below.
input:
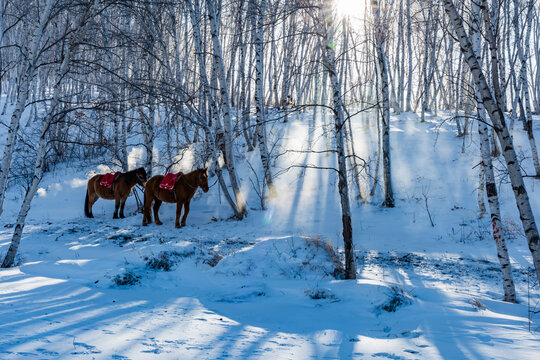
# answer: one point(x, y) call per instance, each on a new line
point(428, 281)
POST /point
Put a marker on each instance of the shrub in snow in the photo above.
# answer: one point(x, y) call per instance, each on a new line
point(290, 257)
point(127, 278)
point(319, 294)
point(212, 259)
point(121, 239)
point(165, 261)
point(396, 299)
point(477, 304)
point(168, 259)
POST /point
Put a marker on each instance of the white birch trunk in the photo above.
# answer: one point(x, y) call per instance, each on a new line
point(259, 94)
point(410, 58)
point(476, 45)
point(523, 55)
point(226, 109)
point(494, 209)
point(329, 63)
point(194, 12)
point(385, 103)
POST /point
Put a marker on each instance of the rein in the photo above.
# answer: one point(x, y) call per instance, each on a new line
point(188, 184)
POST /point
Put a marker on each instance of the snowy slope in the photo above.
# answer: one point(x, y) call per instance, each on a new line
point(264, 287)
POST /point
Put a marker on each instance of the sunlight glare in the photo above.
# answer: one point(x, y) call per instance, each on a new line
point(350, 8)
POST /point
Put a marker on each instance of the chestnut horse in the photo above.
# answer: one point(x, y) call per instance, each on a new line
point(181, 194)
point(119, 191)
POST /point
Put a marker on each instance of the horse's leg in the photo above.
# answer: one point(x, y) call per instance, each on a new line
point(157, 204)
point(178, 212)
point(88, 202)
point(186, 212)
point(122, 205)
point(147, 203)
point(116, 205)
point(92, 200)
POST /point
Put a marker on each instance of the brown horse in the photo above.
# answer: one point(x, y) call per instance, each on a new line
point(181, 194)
point(118, 192)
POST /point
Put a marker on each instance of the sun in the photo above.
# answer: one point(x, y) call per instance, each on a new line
point(350, 8)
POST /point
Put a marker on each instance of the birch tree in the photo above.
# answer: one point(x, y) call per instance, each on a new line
point(497, 119)
point(384, 107)
point(488, 175)
point(327, 36)
point(24, 89)
point(258, 28)
point(78, 35)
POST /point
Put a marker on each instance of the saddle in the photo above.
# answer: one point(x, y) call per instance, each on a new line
point(169, 180)
point(108, 179)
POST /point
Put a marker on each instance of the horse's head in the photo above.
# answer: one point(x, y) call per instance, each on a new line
point(140, 175)
point(202, 179)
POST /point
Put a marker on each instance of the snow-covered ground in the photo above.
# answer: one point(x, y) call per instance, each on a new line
point(265, 287)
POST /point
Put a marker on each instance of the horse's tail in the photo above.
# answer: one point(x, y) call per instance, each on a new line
point(86, 205)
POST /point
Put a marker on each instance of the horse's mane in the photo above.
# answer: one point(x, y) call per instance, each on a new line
point(181, 174)
point(131, 172)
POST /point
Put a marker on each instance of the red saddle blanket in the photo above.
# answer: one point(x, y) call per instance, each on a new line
point(108, 179)
point(168, 181)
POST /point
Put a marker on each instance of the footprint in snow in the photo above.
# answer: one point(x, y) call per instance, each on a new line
point(47, 352)
point(153, 351)
point(388, 356)
point(23, 353)
point(411, 351)
point(89, 349)
point(411, 334)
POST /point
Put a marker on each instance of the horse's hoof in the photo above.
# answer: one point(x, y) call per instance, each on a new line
point(115, 217)
point(182, 225)
point(159, 223)
point(177, 226)
point(122, 217)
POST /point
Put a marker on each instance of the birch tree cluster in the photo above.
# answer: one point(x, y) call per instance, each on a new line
point(92, 79)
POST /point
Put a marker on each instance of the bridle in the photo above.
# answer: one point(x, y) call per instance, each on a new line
point(188, 184)
point(139, 177)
